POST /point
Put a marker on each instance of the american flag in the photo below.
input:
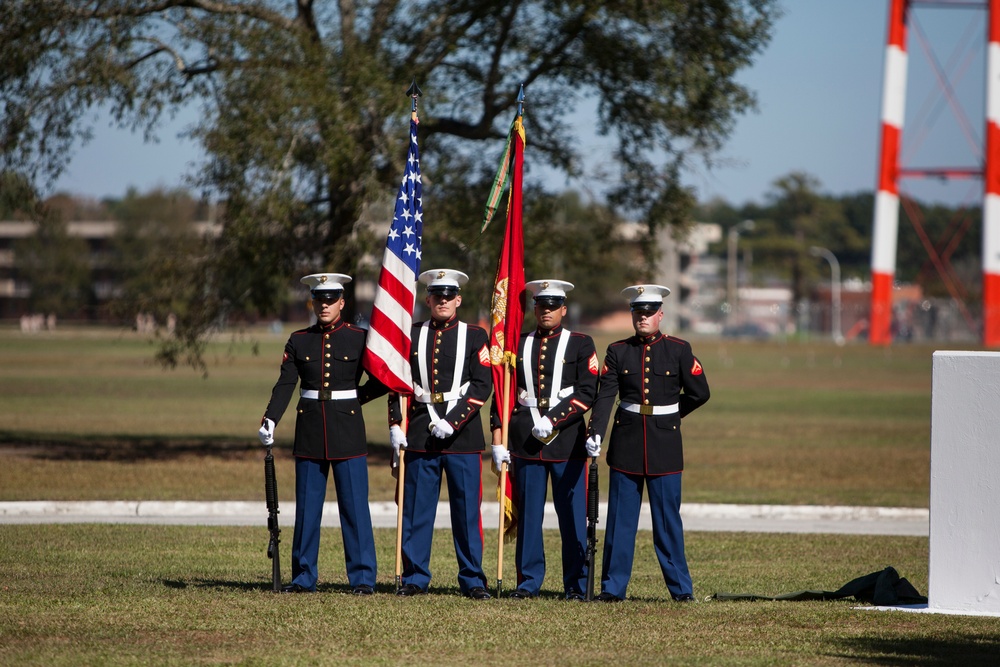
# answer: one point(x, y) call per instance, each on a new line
point(387, 354)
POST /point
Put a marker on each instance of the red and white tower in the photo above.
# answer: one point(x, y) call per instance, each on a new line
point(886, 218)
point(991, 177)
point(886, 225)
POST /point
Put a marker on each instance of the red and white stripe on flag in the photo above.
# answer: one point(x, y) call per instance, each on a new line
point(387, 352)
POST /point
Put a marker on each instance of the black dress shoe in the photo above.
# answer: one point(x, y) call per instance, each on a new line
point(607, 597)
point(295, 588)
point(409, 590)
point(575, 595)
point(363, 589)
point(519, 594)
point(686, 597)
point(479, 593)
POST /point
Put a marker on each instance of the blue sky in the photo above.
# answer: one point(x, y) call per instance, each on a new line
point(819, 86)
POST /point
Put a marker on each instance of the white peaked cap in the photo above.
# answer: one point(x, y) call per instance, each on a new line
point(548, 287)
point(325, 282)
point(651, 294)
point(437, 278)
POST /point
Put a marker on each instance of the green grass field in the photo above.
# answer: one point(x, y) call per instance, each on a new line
point(88, 415)
point(169, 595)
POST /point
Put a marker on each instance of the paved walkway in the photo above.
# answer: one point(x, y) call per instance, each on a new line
point(697, 516)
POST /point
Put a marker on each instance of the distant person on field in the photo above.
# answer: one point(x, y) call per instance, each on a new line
point(556, 385)
point(659, 381)
point(325, 360)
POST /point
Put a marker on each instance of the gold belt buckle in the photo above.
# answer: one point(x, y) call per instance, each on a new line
point(645, 410)
point(324, 394)
point(437, 397)
point(550, 438)
point(543, 403)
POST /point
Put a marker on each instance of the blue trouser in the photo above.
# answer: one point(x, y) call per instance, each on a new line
point(350, 478)
point(624, 501)
point(421, 491)
point(569, 495)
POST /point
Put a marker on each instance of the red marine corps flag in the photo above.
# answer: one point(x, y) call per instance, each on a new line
point(507, 313)
point(506, 317)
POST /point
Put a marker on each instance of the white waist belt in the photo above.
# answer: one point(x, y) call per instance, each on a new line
point(328, 395)
point(543, 402)
point(420, 396)
point(651, 409)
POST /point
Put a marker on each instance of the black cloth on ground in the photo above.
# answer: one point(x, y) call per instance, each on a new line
point(884, 588)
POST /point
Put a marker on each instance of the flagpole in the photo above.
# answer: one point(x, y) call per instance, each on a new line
point(399, 496)
point(413, 92)
point(507, 312)
point(502, 496)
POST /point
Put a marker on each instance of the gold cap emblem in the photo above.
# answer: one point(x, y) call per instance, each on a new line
point(441, 274)
point(640, 289)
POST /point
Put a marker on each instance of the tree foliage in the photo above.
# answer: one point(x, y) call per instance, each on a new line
point(797, 215)
point(52, 261)
point(17, 197)
point(301, 105)
point(155, 246)
point(55, 265)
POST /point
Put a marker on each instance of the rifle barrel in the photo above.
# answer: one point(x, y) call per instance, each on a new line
point(593, 494)
point(593, 498)
point(271, 496)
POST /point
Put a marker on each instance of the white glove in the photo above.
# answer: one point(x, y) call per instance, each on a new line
point(397, 437)
point(398, 440)
point(500, 456)
point(442, 429)
point(594, 446)
point(266, 433)
point(542, 429)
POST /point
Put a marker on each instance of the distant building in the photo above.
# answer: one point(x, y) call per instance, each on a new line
point(685, 267)
point(15, 290)
point(765, 310)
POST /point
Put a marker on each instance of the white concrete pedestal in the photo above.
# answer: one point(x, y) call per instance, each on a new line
point(964, 568)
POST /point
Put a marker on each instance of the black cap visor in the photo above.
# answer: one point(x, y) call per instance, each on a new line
point(646, 307)
point(442, 290)
point(329, 295)
point(550, 301)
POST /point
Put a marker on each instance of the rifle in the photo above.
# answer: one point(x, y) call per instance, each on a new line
point(593, 496)
point(271, 494)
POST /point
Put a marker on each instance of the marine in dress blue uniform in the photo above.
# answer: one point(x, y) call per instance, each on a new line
point(444, 436)
point(659, 381)
point(325, 360)
point(556, 385)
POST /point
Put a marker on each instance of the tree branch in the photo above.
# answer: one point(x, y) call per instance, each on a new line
point(137, 10)
point(381, 15)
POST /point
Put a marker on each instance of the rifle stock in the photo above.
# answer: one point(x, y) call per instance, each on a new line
point(271, 495)
point(593, 497)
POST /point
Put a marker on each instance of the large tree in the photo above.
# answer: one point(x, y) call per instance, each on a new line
point(302, 120)
point(797, 218)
